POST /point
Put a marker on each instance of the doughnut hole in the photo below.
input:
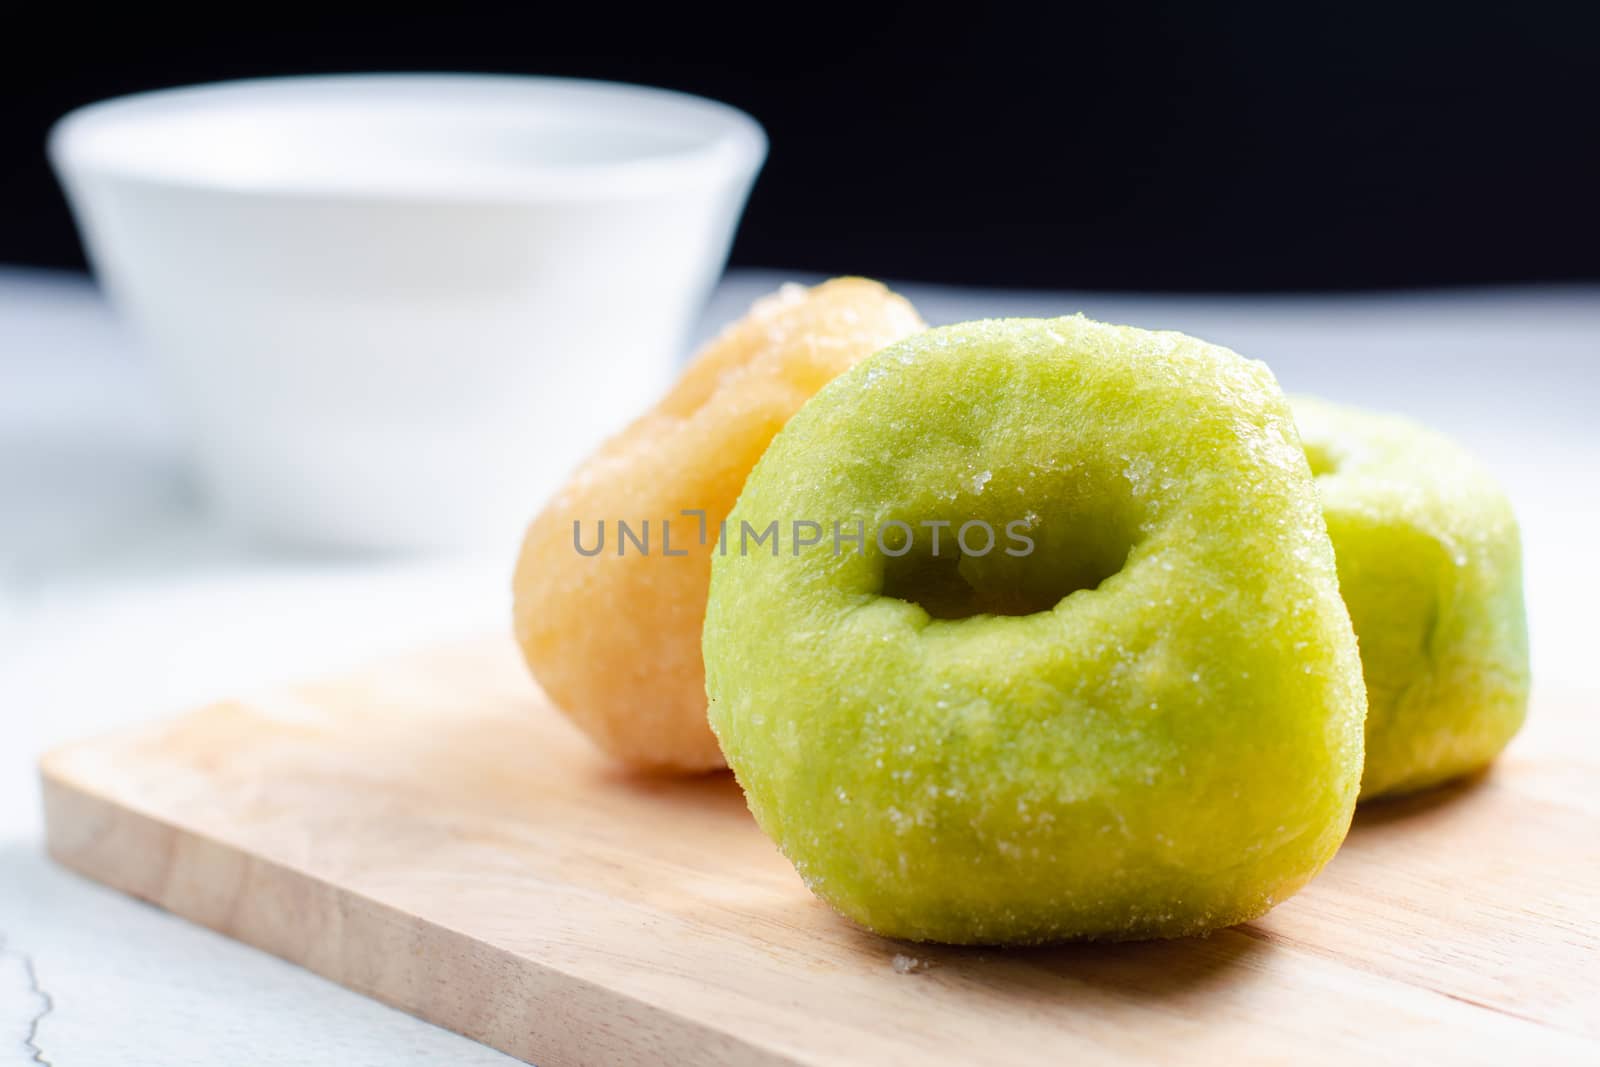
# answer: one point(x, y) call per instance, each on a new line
point(1020, 550)
point(1323, 457)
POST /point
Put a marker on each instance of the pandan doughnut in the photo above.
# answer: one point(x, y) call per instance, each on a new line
point(1430, 565)
point(1145, 722)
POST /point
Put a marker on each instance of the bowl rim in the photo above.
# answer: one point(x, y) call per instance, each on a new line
point(733, 149)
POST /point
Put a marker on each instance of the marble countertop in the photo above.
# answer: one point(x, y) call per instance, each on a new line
point(121, 599)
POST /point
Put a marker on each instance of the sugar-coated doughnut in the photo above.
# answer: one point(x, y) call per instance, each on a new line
point(612, 633)
point(1430, 565)
point(1147, 724)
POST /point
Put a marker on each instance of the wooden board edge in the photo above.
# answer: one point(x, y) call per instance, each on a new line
point(543, 1016)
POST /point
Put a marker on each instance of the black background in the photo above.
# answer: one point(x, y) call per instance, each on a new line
point(1243, 145)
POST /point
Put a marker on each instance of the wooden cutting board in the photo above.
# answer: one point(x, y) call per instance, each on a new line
point(431, 834)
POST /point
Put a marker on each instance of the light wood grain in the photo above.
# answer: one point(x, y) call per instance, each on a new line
point(430, 834)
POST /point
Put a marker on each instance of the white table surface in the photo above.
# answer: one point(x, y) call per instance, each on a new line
point(120, 600)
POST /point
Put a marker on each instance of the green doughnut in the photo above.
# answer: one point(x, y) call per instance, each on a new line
point(1430, 566)
point(1149, 726)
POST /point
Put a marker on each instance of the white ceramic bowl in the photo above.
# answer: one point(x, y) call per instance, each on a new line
point(395, 310)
